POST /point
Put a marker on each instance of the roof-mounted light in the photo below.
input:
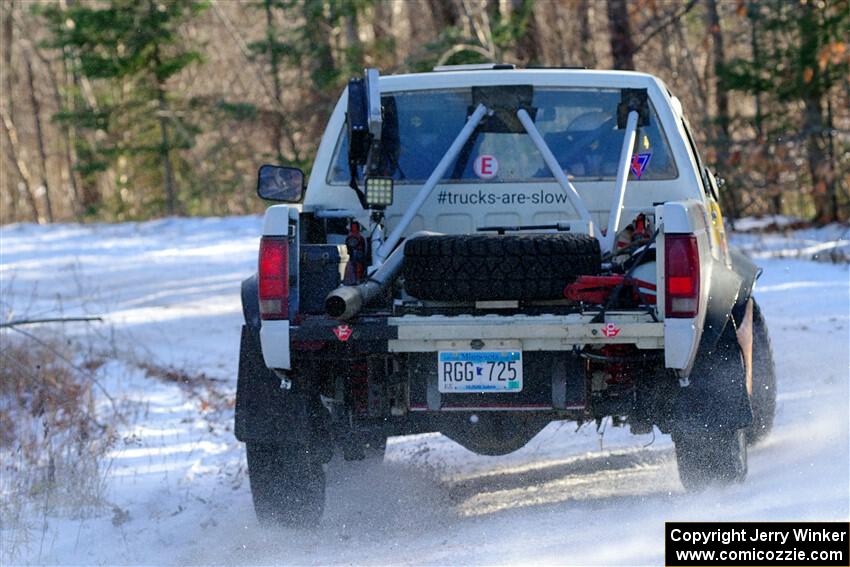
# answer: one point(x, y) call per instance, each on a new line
point(475, 67)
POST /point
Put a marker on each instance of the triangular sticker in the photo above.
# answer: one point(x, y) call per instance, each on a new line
point(640, 162)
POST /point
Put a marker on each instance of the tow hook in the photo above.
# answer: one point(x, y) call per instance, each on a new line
point(285, 382)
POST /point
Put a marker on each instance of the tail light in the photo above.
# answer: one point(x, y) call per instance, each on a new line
point(681, 272)
point(274, 278)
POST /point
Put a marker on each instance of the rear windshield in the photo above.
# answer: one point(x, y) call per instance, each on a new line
point(579, 125)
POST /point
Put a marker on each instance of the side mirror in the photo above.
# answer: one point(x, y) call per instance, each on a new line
point(715, 183)
point(279, 183)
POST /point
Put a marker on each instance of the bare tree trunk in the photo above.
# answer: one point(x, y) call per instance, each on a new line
point(73, 196)
point(6, 181)
point(165, 154)
point(821, 167)
point(563, 47)
point(18, 158)
point(721, 100)
point(90, 194)
point(415, 23)
point(622, 44)
point(688, 58)
point(527, 49)
point(39, 136)
point(16, 152)
point(547, 36)
point(585, 17)
point(380, 21)
point(274, 60)
point(171, 204)
point(818, 159)
point(445, 13)
point(528, 46)
point(721, 96)
point(771, 175)
point(85, 194)
point(68, 150)
point(323, 64)
point(830, 128)
point(353, 47)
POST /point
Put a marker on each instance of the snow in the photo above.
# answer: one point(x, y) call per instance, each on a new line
point(830, 243)
point(169, 291)
point(752, 224)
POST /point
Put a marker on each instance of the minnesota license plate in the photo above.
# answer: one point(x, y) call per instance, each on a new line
point(479, 371)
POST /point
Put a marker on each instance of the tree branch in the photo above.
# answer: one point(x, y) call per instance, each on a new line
point(20, 322)
point(670, 21)
point(463, 47)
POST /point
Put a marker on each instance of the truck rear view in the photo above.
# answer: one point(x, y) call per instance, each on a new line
point(483, 252)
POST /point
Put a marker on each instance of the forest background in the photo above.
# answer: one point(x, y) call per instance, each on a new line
point(118, 110)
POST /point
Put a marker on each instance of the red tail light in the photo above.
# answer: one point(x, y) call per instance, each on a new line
point(274, 278)
point(681, 272)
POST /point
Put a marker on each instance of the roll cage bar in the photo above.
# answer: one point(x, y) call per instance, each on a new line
point(508, 107)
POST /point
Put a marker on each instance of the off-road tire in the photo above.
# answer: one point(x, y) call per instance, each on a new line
point(287, 484)
point(763, 398)
point(711, 458)
point(483, 267)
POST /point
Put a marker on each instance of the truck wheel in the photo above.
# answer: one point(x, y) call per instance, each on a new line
point(287, 484)
point(706, 458)
point(763, 398)
point(481, 267)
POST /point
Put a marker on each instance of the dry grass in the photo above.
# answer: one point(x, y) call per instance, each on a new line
point(52, 439)
point(207, 390)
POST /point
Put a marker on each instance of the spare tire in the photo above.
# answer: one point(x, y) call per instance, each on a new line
point(482, 267)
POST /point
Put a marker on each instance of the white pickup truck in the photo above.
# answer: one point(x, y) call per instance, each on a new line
point(480, 251)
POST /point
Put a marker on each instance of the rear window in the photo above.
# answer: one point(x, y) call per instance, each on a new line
point(579, 125)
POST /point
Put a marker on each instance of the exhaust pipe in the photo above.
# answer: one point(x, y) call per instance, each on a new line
point(346, 301)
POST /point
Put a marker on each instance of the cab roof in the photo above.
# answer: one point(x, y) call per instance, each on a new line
point(466, 76)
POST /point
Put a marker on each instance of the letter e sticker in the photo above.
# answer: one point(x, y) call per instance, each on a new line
point(486, 166)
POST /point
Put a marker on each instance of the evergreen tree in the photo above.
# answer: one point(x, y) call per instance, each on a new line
point(128, 50)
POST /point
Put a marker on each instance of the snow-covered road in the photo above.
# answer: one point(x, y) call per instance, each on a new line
point(170, 292)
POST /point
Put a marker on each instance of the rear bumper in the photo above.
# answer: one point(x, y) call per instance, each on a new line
point(555, 380)
point(423, 334)
point(535, 333)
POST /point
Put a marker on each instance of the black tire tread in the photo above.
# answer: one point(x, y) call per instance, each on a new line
point(763, 398)
point(483, 267)
point(711, 458)
point(287, 484)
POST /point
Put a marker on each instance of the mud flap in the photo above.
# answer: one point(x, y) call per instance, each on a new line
point(264, 411)
point(717, 396)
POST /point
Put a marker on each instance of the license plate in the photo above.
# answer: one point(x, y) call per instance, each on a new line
point(479, 371)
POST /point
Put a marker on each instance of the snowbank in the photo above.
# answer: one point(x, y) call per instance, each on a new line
point(830, 243)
